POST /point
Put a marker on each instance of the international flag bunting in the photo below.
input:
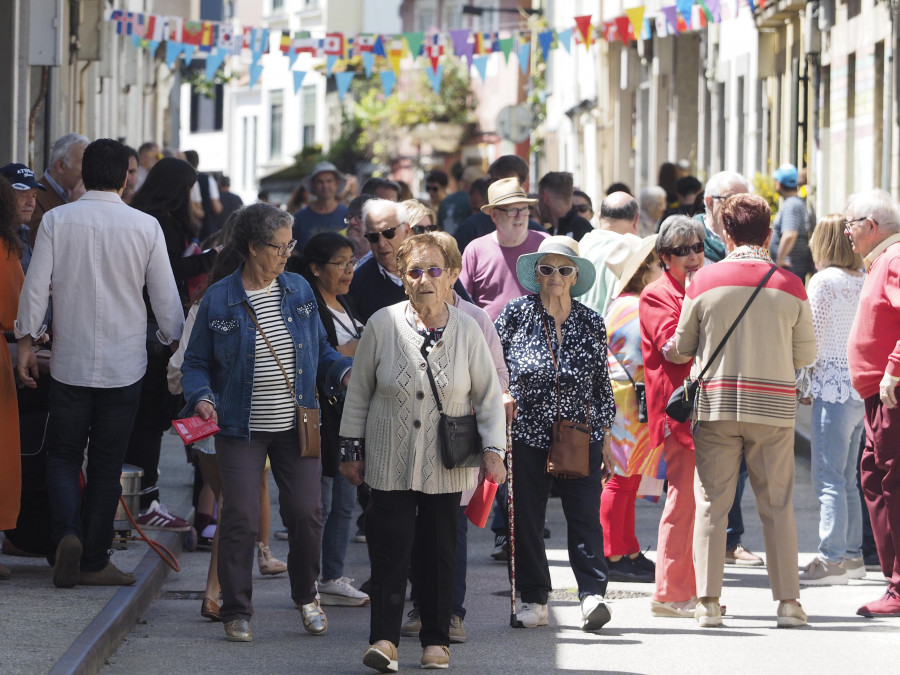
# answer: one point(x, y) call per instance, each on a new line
point(435, 50)
point(155, 28)
point(128, 23)
point(365, 42)
point(583, 23)
point(192, 33)
point(334, 44)
point(285, 43)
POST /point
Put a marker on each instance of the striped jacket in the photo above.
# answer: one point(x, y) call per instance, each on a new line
point(752, 380)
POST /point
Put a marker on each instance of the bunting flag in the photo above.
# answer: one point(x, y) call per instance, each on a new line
point(671, 16)
point(304, 43)
point(207, 35)
point(334, 44)
point(192, 33)
point(330, 60)
point(378, 47)
point(395, 54)
point(564, 37)
point(387, 82)
point(292, 59)
point(684, 9)
point(298, 79)
point(414, 42)
point(662, 27)
point(623, 28)
point(435, 50)
point(698, 17)
point(225, 37)
point(343, 81)
point(365, 42)
point(583, 23)
point(155, 28)
point(506, 46)
point(545, 37)
point(435, 78)
point(480, 62)
point(461, 45)
point(751, 5)
point(524, 54)
point(255, 72)
point(173, 51)
point(284, 45)
point(368, 63)
point(714, 9)
point(175, 29)
point(213, 61)
point(128, 23)
point(188, 51)
point(636, 17)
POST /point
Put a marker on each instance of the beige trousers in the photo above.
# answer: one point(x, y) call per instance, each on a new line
point(769, 451)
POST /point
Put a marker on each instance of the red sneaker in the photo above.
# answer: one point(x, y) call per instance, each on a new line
point(887, 605)
point(158, 518)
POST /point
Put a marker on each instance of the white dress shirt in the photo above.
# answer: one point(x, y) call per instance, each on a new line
point(98, 254)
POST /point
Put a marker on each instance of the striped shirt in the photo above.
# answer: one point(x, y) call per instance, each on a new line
point(271, 408)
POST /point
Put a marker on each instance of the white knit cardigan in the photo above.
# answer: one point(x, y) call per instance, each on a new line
point(390, 402)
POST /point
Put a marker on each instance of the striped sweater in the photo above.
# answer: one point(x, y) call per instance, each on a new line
point(752, 380)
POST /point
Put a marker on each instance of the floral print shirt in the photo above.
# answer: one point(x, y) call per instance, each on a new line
point(583, 373)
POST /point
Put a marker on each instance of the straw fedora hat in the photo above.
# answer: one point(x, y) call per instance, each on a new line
point(561, 246)
point(505, 191)
point(626, 257)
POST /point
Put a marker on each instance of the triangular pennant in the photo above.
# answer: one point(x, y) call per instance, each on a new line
point(564, 37)
point(292, 58)
point(414, 41)
point(623, 28)
point(213, 61)
point(136, 41)
point(715, 10)
point(173, 51)
point(343, 81)
point(684, 9)
point(395, 55)
point(435, 78)
point(330, 60)
point(662, 27)
point(671, 15)
point(636, 17)
point(545, 37)
point(584, 28)
point(387, 82)
point(434, 51)
point(698, 17)
point(368, 63)
point(188, 54)
point(255, 72)
point(298, 79)
point(524, 55)
point(378, 47)
point(152, 46)
point(751, 5)
point(647, 32)
point(461, 45)
point(480, 63)
point(506, 46)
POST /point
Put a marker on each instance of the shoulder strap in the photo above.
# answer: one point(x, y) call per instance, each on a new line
point(556, 369)
point(621, 363)
point(737, 320)
point(287, 378)
point(434, 389)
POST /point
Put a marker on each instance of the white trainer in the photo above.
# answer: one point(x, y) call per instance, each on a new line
point(595, 613)
point(532, 614)
point(341, 593)
point(823, 573)
point(855, 568)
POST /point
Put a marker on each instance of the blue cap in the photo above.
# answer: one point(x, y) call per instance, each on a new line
point(786, 174)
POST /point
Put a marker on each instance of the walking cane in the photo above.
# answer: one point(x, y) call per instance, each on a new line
point(511, 526)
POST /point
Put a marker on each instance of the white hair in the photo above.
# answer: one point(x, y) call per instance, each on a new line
point(652, 194)
point(382, 205)
point(61, 146)
point(877, 205)
point(716, 185)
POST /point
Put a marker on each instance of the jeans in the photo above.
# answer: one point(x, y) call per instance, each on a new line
point(735, 518)
point(101, 420)
point(836, 430)
point(338, 500)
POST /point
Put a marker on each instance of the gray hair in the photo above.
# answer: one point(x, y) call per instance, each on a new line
point(62, 145)
point(878, 205)
point(652, 194)
point(381, 205)
point(716, 185)
point(256, 224)
point(678, 230)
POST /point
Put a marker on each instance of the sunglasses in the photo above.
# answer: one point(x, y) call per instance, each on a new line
point(548, 270)
point(422, 229)
point(372, 237)
point(434, 272)
point(682, 251)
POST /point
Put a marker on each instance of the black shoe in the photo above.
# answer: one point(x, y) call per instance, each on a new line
point(644, 563)
point(625, 570)
point(366, 587)
point(501, 548)
point(546, 533)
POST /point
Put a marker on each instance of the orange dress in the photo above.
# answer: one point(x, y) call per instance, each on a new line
point(11, 278)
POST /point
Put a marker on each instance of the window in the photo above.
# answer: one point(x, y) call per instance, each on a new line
point(309, 116)
point(277, 5)
point(207, 113)
point(276, 120)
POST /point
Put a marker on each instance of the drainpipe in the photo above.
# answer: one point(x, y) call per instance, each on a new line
point(887, 146)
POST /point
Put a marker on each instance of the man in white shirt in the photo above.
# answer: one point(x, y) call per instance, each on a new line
point(97, 255)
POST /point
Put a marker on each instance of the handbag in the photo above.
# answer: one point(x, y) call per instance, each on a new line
point(570, 442)
point(458, 437)
point(640, 391)
point(308, 431)
point(681, 406)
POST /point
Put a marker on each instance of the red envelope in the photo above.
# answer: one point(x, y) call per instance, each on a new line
point(479, 507)
point(192, 429)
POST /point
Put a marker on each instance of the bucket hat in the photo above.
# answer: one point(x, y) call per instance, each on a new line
point(323, 167)
point(560, 245)
point(626, 258)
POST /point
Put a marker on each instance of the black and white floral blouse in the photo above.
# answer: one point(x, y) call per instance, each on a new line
point(583, 371)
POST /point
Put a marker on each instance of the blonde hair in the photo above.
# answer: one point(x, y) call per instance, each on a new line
point(450, 248)
point(417, 211)
point(830, 246)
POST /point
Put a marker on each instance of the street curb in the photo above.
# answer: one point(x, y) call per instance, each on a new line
point(89, 651)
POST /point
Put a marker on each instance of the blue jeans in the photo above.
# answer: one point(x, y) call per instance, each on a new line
point(836, 430)
point(338, 501)
point(735, 517)
point(101, 420)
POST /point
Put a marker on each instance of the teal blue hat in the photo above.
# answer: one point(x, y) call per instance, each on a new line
point(559, 245)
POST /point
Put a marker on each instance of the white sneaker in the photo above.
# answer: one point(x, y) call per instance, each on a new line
point(823, 573)
point(855, 568)
point(532, 614)
point(594, 612)
point(341, 593)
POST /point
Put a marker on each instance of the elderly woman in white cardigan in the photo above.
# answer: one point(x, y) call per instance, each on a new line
point(389, 436)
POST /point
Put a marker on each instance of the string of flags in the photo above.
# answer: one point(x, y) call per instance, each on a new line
point(219, 40)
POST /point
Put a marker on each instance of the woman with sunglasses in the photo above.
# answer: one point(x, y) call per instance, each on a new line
point(680, 248)
point(327, 264)
point(252, 358)
point(389, 436)
point(422, 219)
point(555, 350)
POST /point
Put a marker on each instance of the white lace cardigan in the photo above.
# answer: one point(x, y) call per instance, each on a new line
point(390, 402)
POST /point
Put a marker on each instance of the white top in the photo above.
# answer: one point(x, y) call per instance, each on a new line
point(99, 253)
point(833, 297)
point(213, 190)
point(342, 325)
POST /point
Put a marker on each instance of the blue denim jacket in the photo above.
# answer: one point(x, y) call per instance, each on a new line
point(220, 357)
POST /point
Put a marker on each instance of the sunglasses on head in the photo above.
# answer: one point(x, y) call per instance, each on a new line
point(422, 229)
point(548, 270)
point(682, 251)
point(372, 237)
point(416, 273)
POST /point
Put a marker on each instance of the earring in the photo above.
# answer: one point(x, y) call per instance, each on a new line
point(315, 275)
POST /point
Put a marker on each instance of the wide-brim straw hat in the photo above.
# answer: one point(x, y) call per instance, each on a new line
point(626, 257)
point(559, 245)
point(323, 167)
point(506, 191)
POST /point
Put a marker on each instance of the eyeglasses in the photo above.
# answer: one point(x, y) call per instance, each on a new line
point(848, 223)
point(422, 229)
point(513, 212)
point(434, 272)
point(347, 266)
point(349, 220)
point(372, 237)
point(582, 208)
point(284, 249)
point(432, 188)
point(548, 270)
point(719, 197)
point(682, 251)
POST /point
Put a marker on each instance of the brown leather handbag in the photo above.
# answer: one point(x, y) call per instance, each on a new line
point(308, 425)
point(570, 444)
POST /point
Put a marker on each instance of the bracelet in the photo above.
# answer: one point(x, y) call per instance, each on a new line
point(352, 450)
point(497, 451)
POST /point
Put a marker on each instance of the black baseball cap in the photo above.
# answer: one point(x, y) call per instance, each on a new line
point(20, 176)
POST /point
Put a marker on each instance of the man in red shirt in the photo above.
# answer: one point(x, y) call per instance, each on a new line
point(873, 353)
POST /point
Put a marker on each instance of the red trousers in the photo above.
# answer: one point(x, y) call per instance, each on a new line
point(675, 580)
point(617, 515)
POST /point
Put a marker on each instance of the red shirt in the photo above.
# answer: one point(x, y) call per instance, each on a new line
point(659, 310)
